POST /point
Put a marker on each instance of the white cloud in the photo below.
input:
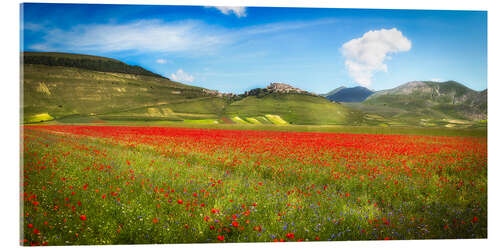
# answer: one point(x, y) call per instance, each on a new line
point(284, 26)
point(435, 80)
point(366, 55)
point(161, 61)
point(182, 76)
point(142, 35)
point(155, 36)
point(237, 11)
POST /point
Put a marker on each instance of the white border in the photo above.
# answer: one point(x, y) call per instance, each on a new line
point(9, 89)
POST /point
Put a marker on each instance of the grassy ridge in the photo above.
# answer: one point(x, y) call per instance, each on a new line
point(66, 91)
point(85, 62)
point(295, 109)
point(427, 104)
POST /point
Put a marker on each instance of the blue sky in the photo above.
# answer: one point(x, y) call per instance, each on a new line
point(237, 49)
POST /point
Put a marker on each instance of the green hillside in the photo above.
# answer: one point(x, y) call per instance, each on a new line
point(294, 108)
point(96, 63)
point(73, 94)
point(72, 88)
point(427, 104)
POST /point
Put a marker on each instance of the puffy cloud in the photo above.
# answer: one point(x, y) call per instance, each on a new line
point(366, 55)
point(182, 76)
point(238, 11)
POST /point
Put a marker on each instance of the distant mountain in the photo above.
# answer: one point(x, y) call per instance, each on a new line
point(333, 91)
point(343, 94)
point(425, 101)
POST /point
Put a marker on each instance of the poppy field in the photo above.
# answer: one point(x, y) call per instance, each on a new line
point(97, 185)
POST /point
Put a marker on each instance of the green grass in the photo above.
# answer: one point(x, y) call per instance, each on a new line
point(79, 119)
point(238, 120)
point(202, 121)
point(263, 120)
point(207, 105)
point(480, 130)
point(253, 120)
point(294, 109)
point(74, 91)
point(37, 118)
point(70, 56)
point(83, 61)
point(276, 119)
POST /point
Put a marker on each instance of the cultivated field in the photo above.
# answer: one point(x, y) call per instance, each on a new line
point(139, 185)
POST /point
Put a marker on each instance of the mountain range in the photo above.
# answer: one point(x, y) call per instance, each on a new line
point(74, 88)
point(426, 103)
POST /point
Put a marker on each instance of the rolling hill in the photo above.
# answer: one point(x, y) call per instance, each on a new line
point(333, 91)
point(343, 94)
point(73, 88)
point(293, 108)
point(428, 104)
point(67, 91)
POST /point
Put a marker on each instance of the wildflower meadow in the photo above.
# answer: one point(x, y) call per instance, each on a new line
point(142, 185)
